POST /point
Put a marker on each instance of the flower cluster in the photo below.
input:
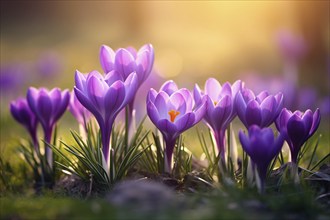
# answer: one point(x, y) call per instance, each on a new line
point(171, 110)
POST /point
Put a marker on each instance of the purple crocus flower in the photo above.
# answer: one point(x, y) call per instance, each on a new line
point(104, 97)
point(127, 60)
point(22, 113)
point(49, 64)
point(293, 47)
point(173, 111)
point(81, 114)
point(48, 106)
point(221, 108)
point(297, 127)
point(260, 110)
point(262, 147)
point(12, 79)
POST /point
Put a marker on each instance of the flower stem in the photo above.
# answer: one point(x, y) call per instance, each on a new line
point(48, 150)
point(260, 178)
point(294, 173)
point(170, 144)
point(220, 139)
point(106, 146)
point(35, 141)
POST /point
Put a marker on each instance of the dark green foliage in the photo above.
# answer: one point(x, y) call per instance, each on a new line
point(85, 158)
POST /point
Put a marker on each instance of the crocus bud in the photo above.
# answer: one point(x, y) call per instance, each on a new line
point(22, 113)
point(262, 147)
point(48, 106)
point(297, 128)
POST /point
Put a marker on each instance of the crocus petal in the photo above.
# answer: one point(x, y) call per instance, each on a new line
point(260, 98)
point(132, 51)
point(169, 87)
point(80, 80)
point(188, 98)
point(131, 85)
point(62, 105)
point(113, 99)
point(142, 64)
point(32, 97)
point(107, 58)
point(167, 127)
point(21, 112)
point(267, 107)
point(279, 103)
point(254, 130)
point(316, 122)
point(247, 94)
point(112, 77)
point(153, 112)
point(55, 97)
point(150, 49)
point(212, 88)
point(185, 122)
point(225, 91)
point(177, 102)
point(160, 103)
point(268, 135)
point(240, 107)
point(245, 142)
point(14, 112)
point(222, 112)
point(296, 130)
point(237, 86)
point(307, 119)
point(252, 113)
point(200, 110)
point(95, 92)
point(152, 94)
point(197, 94)
point(124, 62)
point(282, 120)
point(96, 74)
point(210, 106)
point(45, 108)
point(84, 100)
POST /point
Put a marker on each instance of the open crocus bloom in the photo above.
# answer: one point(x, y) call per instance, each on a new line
point(297, 128)
point(48, 106)
point(262, 147)
point(22, 113)
point(259, 110)
point(221, 108)
point(104, 97)
point(172, 110)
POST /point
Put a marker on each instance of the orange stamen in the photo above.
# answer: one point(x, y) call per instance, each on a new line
point(173, 115)
point(215, 102)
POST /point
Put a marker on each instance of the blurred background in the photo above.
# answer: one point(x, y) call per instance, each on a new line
point(274, 45)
